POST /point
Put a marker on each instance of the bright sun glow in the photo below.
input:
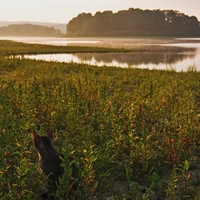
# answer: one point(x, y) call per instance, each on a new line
point(62, 11)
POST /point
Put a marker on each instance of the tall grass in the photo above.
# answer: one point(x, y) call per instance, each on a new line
point(129, 125)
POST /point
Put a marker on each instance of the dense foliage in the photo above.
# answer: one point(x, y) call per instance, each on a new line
point(138, 128)
point(28, 30)
point(134, 22)
point(134, 134)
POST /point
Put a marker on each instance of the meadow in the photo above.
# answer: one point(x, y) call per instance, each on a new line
point(133, 133)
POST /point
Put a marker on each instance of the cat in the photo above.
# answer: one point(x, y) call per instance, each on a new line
point(50, 163)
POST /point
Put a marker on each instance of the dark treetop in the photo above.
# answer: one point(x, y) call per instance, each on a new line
point(134, 22)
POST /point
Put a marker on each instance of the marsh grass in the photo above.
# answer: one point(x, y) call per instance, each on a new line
point(127, 125)
point(18, 48)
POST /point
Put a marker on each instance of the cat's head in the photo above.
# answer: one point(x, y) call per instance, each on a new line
point(43, 143)
point(37, 137)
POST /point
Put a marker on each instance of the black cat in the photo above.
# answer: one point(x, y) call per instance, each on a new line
point(50, 164)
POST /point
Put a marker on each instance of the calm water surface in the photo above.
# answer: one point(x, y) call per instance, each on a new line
point(177, 54)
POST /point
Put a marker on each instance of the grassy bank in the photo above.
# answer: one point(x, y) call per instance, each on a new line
point(133, 133)
point(12, 48)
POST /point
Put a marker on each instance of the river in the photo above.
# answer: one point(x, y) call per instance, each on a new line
point(180, 54)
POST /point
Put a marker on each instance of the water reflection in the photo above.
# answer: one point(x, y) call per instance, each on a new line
point(156, 53)
point(179, 61)
point(135, 58)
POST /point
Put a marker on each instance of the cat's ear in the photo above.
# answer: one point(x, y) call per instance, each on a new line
point(51, 134)
point(35, 135)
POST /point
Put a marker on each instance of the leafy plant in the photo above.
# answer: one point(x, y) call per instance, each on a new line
point(136, 127)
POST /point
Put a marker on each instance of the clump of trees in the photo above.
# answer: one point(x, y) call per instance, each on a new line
point(134, 22)
point(29, 30)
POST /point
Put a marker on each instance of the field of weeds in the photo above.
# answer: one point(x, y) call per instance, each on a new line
point(133, 133)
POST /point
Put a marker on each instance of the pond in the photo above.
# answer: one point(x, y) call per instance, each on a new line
point(180, 54)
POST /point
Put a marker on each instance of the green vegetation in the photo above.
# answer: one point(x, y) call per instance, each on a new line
point(29, 30)
point(134, 22)
point(133, 133)
point(15, 48)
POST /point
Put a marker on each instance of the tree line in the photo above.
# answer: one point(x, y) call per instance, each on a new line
point(134, 22)
point(29, 30)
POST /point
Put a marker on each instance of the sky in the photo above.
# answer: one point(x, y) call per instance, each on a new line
point(62, 11)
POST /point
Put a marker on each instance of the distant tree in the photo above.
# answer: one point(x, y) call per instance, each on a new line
point(28, 30)
point(78, 23)
point(134, 22)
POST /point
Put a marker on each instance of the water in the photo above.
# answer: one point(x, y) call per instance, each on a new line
point(179, 62)
point(178, 54)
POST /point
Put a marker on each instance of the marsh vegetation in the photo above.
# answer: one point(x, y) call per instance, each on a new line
point(133, 133)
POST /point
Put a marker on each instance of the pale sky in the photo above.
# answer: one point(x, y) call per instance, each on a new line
point(62, 11)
